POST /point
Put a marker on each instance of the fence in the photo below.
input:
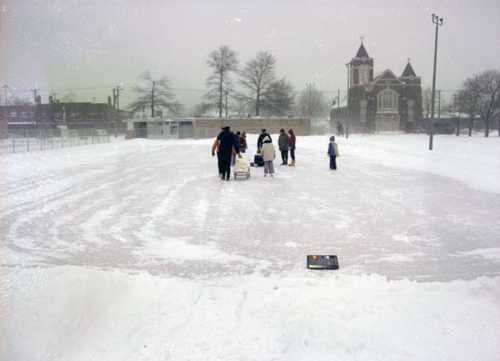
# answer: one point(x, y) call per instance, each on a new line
point(19, 144)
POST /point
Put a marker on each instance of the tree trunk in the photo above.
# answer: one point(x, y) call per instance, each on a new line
point(486, 127)
point(471, 124)
point(221, 79)
point(499, 125)
point(257, 104)
point(458, 126)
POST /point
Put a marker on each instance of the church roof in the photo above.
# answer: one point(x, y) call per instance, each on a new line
point(362, 53)
point(387, 77)
point(408, 72)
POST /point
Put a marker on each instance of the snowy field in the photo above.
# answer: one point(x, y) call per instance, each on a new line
point(137, 251)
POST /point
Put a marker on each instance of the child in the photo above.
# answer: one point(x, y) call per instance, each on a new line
point(269, 154)
point(333, 152)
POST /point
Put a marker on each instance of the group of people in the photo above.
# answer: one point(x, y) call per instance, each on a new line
point(229, 145)
point(265, 147)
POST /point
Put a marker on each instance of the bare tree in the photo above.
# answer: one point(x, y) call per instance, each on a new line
point(202, 109)
point(223, 61)
point(257, 76)
point(467, 99)
point(278, 98)
point(488, 84)
point(312, 103)
point(155, 94)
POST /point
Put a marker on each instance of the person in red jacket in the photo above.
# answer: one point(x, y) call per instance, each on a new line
point(291, 146)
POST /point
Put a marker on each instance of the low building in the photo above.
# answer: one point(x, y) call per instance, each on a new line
point(159, 128)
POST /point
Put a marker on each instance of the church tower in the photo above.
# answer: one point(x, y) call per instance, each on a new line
point(411, 104)
point(360, 77)
point(361, 68)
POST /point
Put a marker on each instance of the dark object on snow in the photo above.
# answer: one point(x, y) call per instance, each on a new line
point(258, 161)
point(322, 262)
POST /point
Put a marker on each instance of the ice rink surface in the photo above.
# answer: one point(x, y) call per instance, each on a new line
point(135, 250)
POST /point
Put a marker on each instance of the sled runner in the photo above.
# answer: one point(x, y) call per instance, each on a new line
point(322, 262)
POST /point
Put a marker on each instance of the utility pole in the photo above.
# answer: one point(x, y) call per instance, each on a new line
point(438, 22)
point(35, 93)
point(118, 98)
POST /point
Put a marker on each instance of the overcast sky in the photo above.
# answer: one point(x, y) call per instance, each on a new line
point(67, 45)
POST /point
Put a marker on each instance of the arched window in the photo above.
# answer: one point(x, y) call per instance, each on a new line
point(387, 101)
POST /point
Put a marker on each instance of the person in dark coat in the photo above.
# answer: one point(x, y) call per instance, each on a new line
point(263, 134)
point(291, 146)
point(333, 152)
point(227, 145)
point(243, 142)
point(283, 145)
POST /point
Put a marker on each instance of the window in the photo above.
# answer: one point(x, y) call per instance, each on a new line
point(387, 101)
point(355, 76)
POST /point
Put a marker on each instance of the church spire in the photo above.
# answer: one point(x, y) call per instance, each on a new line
point(408, 72)
point(362, 53)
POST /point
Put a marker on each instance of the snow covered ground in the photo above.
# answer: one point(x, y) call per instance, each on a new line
point(136, 251)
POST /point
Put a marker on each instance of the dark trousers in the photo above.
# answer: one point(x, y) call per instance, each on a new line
point(219, 164)
point(292, 152)
point(225, 162)
point(333, 162)
point(284, 156)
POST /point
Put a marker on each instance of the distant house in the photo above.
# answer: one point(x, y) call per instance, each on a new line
point(386, 102)
point(28, 117)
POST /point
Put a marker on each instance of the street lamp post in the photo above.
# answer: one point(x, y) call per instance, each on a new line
point(438, 22)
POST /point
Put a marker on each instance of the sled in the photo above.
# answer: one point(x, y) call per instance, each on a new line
point(329, 262)
point(241, 168)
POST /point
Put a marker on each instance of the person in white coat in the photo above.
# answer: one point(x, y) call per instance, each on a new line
point(269, 154)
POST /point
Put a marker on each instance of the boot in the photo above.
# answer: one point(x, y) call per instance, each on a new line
point(292, 163)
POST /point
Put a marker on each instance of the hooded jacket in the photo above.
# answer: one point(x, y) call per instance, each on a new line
point(268, 152)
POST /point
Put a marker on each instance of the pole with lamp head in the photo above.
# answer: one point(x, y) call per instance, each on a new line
point(438, 22)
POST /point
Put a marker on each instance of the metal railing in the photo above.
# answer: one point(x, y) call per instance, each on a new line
point(21, 144)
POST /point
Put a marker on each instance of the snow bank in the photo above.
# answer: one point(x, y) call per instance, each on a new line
point(472, 160)
point(72, 313)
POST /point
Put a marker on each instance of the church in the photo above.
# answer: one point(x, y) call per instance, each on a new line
point(385, 102)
